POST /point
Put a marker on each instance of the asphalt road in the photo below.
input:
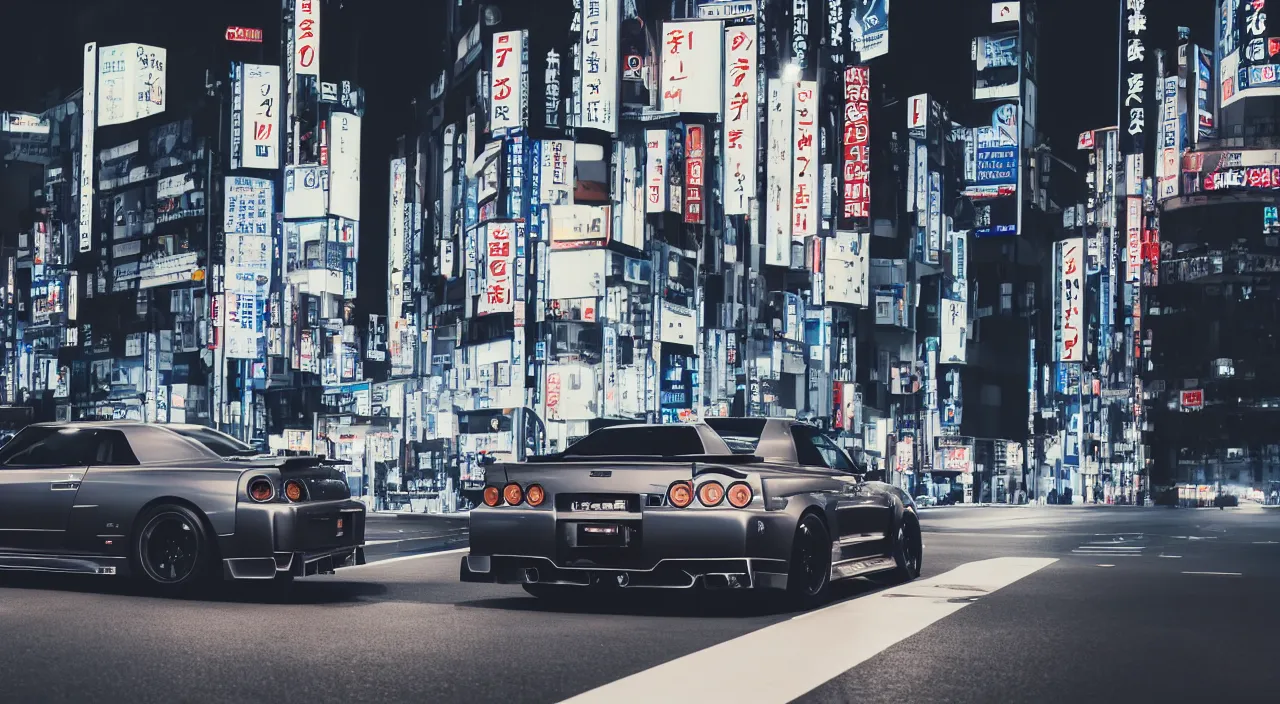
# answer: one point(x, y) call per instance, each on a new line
point(1051, 604)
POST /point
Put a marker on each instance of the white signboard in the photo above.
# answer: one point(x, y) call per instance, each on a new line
point(556, 172)
point(599, 76)
point(396, 246)
point(88, 113)
point(846, 268)
point(691, 77)
point(496, 296)
point(778, 195)
point(955, 332)
point(805, 197)
point(1071, 300)
point(678, 324)
point(918, 111)
point(506, 91)
point(655, 171)
point(306, 192)
point(172, 269)
point(306, 37)
point(739, 142)
point(344, 165)
point(131, 83)
point(260, 147)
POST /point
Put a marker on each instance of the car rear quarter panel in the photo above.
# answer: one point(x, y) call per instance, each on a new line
point(110, 499)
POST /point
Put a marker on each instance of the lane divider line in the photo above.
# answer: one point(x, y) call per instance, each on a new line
point(1217, 574)
point(377, 563)
point(811, 649)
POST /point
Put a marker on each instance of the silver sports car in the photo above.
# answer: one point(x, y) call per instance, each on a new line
point(171, 504)
point(735, 503)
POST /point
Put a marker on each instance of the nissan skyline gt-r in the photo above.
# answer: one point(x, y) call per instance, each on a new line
point(170, 504)
point(733, 503)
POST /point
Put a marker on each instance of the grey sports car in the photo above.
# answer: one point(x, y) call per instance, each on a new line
point(733, 503)
point(171, 504)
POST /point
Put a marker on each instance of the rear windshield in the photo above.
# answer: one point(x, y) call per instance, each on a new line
point(742, 435)
point(220, 443)
point(645, 441)
point(741, 444)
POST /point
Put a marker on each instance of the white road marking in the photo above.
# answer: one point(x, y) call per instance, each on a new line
point(1108, 554)
point(1264, 542)
point(377, 563)
point(836, 639)
point(1217, 574)
point(986, 535)
point(1129, 548)
point(1172, 557)
point(1106, 565)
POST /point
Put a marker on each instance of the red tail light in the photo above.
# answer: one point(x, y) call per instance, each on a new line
point(740, 495)
point(535, 495)
point(261, 489)
point(492, 496)
point(295, 491)
point(711, 494)
point(680, 494)
point(513, 494)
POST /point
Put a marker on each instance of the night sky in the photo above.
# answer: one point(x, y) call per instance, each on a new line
point(929, 42)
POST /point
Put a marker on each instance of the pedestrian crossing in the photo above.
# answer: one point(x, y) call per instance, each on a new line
point(1113, 545)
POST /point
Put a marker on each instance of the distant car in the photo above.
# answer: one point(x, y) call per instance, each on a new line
point(733, 503)
point(170, 504)
point(926, 500)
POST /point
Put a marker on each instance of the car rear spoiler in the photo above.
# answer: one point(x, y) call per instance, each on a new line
point(706, 459)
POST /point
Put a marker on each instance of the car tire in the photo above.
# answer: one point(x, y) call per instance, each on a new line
point(809, 575)
point(908, 555)
point(171, 550)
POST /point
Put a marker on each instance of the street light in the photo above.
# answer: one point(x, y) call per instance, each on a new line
point(791, 72)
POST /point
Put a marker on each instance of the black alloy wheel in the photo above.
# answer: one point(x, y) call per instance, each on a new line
point(171, 548)
point(908, 554)
point(810, 574)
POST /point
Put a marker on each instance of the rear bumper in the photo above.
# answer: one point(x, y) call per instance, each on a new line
point(684, 573)
point(295, 539)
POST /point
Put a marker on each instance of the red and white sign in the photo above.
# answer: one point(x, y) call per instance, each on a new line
point(655, 171)
point(1086, 140)
point(496, 296)
point(691, 53)
point(740, 61)
point(918, 111)
point(857, 140)
point(804, 202)
point(553, 396)
point(777, 232)
point(306, 37)
point(1193, 398)
point(244, 34)
point(1071, 300)
point(695, 157)
point(1133, 223)
point(506, 90)
point(260, 146)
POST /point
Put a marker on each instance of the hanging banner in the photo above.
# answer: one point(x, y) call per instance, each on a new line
point(804, 218)
point(1133, 87)
point(1133, 223)
point(655, 171)
point(869, 26)
point(556, 172)
point(260, 145)
point(694, 185)
point(344, 165)
point(599, 77)
point(1071, 299)
point(779, 171)
point(739, 141)
point(1168, 138)
point(131, 83)
point(691, 54)
point(857, 144)
point(306, 37)
point(88, 115)
point(846, 267)
point(496, 296)
point(955, 327)
point(507, 89)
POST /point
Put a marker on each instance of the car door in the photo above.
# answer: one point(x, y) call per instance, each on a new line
point(40, 473)
point(863, 518)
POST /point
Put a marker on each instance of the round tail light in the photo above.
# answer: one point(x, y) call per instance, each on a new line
point(262, 490)
point(680, 494)
point(492, 496)
point(512, 494)
point(711, 494)
point(294, 490)
point(535, 495)
point(740, 495)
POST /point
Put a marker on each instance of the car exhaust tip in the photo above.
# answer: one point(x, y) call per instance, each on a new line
point(530, 575)
point(726, 581)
